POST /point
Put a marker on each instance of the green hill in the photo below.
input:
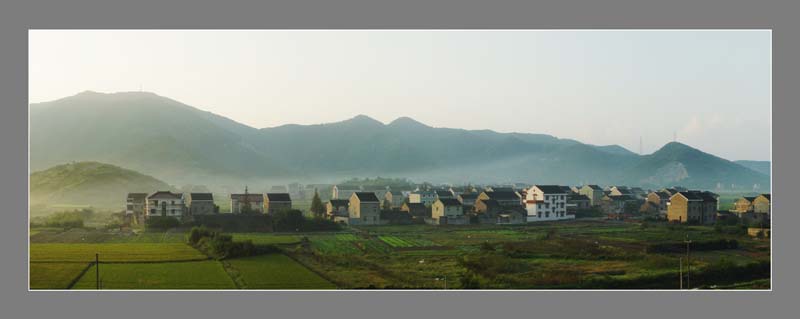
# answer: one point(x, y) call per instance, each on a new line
point(88, 183)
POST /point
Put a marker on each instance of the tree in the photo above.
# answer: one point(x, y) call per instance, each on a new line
point(316, 205)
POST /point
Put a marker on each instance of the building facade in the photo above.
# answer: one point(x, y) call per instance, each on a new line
point(546, 202)
point(166, 204)
point(594, 192)
point(202, 204)
point(239, 202)
point(274, 202)
point(136, 207)
point(364, 209)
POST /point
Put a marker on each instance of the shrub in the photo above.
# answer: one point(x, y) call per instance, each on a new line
point(161, 223)
point(65, 219)
point(222, 246)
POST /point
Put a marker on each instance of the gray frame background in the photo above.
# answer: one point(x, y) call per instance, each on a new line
point(17, 17)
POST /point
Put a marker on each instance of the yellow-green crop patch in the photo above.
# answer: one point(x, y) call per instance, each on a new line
point(277, 271)
point(54, 275)
point(83, 253)
point(170, 275)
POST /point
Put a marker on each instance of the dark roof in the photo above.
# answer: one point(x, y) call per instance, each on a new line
point(339, 202)
point(691, 195)
point(594, 187)
point(505, 195)
point(551, 189)
point(566, 189)
point(490, 202)
point(279, 197)
point(444, 194)
point(662, 195)
point(367, 197)
point(137, 195)
point(768, 196)
point(449, 201)
point(577, 197)
point(621, 198)
point(749, 199)
point(165, 194)
point(201, 196)
point(502, 189)
point(468, 195)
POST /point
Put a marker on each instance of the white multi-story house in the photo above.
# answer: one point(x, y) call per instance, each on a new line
point(546, 202)
point(166, 204)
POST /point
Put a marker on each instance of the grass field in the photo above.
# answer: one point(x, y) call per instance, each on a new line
point(83, 253)
point(170, 275)
point(54, 275)
point(277, 271)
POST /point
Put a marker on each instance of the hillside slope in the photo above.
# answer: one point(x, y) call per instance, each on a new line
point(89, 183)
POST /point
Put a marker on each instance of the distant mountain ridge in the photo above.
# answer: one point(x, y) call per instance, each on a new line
point(182, 144)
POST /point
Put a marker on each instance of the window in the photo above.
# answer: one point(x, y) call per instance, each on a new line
point(155, 202)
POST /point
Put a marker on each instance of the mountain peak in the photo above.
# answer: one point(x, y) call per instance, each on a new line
point(405, 121)
point(363, 119)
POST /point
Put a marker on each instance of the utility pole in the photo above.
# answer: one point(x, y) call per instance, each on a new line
point(688, 262)
point(97, 269)
point(680, 271)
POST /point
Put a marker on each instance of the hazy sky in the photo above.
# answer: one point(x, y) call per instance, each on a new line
point(711, 88)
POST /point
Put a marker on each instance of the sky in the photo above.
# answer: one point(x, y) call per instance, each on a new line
point(710, 89)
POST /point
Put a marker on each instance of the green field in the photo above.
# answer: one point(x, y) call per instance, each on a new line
point(83, 253)
point(168, 275)
point(276, 271)
point(266, 238)
point(54, 275)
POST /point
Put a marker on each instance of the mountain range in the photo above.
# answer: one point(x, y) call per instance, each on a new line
point(181, 144)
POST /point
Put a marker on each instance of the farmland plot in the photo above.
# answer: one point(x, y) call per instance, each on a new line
point(54, 275)
point(277, 271)
point(83, 253)
point(169, 275)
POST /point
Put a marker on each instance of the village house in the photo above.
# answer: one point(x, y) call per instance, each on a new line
point(239, 202)
point(659, 201)
point(594, 192)
point(425, 197)
point(364, 209)
point(743, 205)
point(619, 206)
point(202, 204)
point(165, 204)
point(467, 199)
point(546, 202)
point(394, 199)
point(344, 191)
point(487, 207)
point(447, 211)
point(505, 198)
point(337, 208)
point(692, 207)
point(416, 210)
point(567, 189)
point(762, 204)
point(577, 202)
point(136, 208)
point(275, 202)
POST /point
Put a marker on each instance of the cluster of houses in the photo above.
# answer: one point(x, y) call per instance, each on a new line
point(140, 206)
point(507, 204)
